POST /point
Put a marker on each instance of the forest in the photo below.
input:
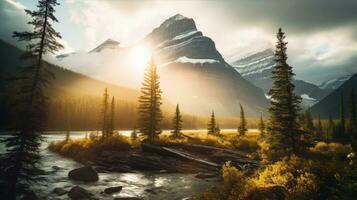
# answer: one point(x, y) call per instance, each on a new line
point(282, 152)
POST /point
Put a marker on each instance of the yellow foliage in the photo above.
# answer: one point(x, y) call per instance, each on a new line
point(331, 150)
point(235, 186)
point(87, 148)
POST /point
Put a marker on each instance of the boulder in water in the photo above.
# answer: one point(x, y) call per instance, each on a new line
point(59, 191)
point(111, 190)
point(84, 174)
point(77, 193)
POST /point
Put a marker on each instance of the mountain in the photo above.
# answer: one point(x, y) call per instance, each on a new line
point(192, 72)
point(257, 68)
point(334, 83)
point(330, 105)
point(108, 44)
point(66, 81)
point(195, 74)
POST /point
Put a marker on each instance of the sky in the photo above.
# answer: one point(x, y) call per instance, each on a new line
point(322, 34)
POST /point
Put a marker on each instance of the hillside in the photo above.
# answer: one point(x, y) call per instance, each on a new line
point(66, 82)
point(192, 71)
point(257, 68)
point(330, 105)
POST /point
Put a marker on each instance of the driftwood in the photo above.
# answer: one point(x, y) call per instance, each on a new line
point(165, 151)
point(210, 149)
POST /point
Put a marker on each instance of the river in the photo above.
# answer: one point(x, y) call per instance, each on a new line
point(155, 186)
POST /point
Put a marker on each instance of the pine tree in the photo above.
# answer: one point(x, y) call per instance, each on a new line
point(177, 123)
point(104, 114)
point(242, 128)
point(331, 128)
point(342, 125)
point(352, 114)
point(68, 124)
point(261, 126)
point(133, 134)
point(150, 114)
point(284, 104)
point(218, 129)
point(22, 156)
point(111, 125)
point(319, 130)
point(308, 122)
point(211, 126)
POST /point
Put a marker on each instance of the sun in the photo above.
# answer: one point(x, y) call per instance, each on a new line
point(139, 57)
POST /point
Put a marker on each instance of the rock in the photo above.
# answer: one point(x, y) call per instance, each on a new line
point(84, 174)
point(56, 168)
point(78, 193)
point(268, 193)
point(59, 191)
point(111, 190)
point(30, 196)
point(89, 163)
point(151, 191)
point(205, 175)
point(128, 198)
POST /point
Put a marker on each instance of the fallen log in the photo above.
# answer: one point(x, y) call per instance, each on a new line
point(178, 154)
point(210, 149)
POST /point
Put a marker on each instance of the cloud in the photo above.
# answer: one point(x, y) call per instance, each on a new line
point(321, 34)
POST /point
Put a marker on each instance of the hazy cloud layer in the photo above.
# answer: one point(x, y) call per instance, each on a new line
point(322, 34)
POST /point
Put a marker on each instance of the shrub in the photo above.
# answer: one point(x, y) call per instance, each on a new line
point(331, 150)
point(86, 149)
point(235, 186)
point(290, 173)
point(244, 143)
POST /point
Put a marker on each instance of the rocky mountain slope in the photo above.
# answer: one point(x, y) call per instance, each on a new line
point(257, 68)
point(193, 73)
point(334, 83)
point(330, 105)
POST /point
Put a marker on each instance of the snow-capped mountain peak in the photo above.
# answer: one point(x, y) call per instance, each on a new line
point(107, 44)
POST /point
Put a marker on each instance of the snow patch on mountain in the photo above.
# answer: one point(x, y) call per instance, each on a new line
point(184, 35)
point(195, 61)
point(307, 97)
point(334, 83)
point(185, 59)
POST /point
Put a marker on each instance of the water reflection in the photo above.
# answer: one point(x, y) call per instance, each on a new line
point(139, 184)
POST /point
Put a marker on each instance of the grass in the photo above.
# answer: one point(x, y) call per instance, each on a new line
point(227, 139)
point(83, 149)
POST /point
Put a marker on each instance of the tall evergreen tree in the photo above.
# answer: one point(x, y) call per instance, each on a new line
point(211, 126)
point(331, 127)
point(308, 122)
point(177, 123)
point(218, 129)
point(104, 114)
point(149, 104)
point(284, 104)
point(111, 125)
point(242, 128)
point(342, 125)
point(22, 156)
point(352, 114)
point(133, 134)
point(319, 130)
point(68, 124)
point(261, 126)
